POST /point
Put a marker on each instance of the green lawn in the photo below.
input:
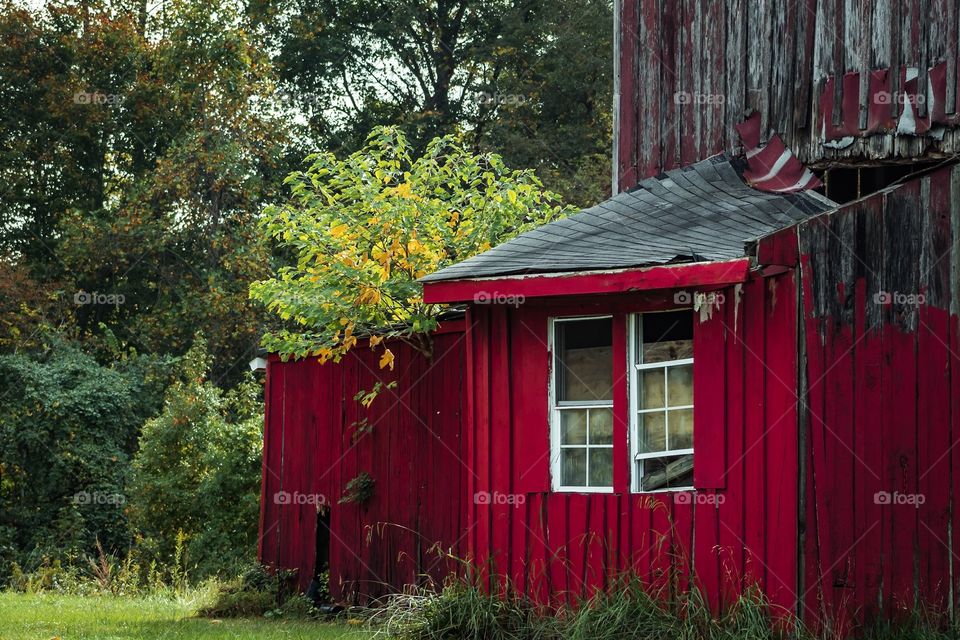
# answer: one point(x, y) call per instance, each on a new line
point(45, 616)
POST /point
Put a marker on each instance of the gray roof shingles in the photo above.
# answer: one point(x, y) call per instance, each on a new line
point(701, 212)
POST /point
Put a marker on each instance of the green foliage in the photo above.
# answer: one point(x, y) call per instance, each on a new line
point(459, 611)
point(919, 624)
point(256, 592)
point(550, 96)
point(364, 228)
point(67, 432)
point(359, 489)
point(194, 494)
point(533, 80)
point(134, 166)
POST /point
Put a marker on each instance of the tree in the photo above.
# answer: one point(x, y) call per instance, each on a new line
point(365, 228)
point(67, 432)
point(391, 58)
point(180, 243)
point(549, 107)
point(196, 474)
point(532, 79)
point(134, 165)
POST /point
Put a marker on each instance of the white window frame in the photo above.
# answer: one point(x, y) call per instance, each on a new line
point(555, 409)
point(634, 338)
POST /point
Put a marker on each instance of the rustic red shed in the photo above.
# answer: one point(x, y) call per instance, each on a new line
point(770, 400)
point(718, 377)
point(318, 437)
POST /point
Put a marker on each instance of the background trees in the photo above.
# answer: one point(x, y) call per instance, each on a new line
point(530, 78)
point(141, 144)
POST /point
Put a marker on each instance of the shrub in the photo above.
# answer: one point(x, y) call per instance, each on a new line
point(255, 593)
point(196, 476)
point(67, 433)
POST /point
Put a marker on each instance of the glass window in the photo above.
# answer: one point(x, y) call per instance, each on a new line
point(663, 400)
point(582, 411)
point(584, 360)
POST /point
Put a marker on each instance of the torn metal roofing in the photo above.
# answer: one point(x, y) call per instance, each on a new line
point(701, 212)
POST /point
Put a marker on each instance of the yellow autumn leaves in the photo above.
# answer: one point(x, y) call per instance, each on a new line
point(366, 227)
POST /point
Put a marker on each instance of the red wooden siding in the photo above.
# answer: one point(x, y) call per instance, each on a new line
point(882, 372)
point(414, 453)
point(557, 546)
point(690, 71)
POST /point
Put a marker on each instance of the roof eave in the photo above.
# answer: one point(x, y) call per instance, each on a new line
point(511, 288)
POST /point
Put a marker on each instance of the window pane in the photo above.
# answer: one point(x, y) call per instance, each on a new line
point(668, 472)
point(584, 353)
point(601, 467)
point(680, 422)
point(601, 426)
point(651, 392)
point(667, 336)
point(573, 426)
point(574, 467)
point(653, 432)
point(680, 385)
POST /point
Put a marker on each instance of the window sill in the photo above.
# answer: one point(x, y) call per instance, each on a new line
point(639, 492)
point(582, 490)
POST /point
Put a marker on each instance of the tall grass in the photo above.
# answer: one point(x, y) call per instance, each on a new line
point(626, 611)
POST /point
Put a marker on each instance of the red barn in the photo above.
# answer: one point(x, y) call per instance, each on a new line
point(319, 437)
point(742, 369)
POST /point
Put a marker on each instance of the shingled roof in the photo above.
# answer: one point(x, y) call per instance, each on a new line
point(701, 212)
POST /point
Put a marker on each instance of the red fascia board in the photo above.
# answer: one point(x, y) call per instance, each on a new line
point(674, 276)
point(779, 248)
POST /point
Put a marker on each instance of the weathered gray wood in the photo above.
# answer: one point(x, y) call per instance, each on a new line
point(736, 70)
point(880, 33)
point(839, 62)
point(924, 62)
point(803, 72)
point(865, 40)
point(951, 34)
point(773, 57)
point(756, 57)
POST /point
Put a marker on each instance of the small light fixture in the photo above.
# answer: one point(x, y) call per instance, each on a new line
point(258, 364)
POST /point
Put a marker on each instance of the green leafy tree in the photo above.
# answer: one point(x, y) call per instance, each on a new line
point(547, 103)
point(532, 78)
point(67, 433)
point(366, 227)
point(134, 163)
point(68, 139)
point(196, 474)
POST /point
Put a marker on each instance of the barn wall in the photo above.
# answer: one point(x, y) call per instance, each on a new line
point(690, 71)
point(880, 295)
point(414, 453)
point(557, 546)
